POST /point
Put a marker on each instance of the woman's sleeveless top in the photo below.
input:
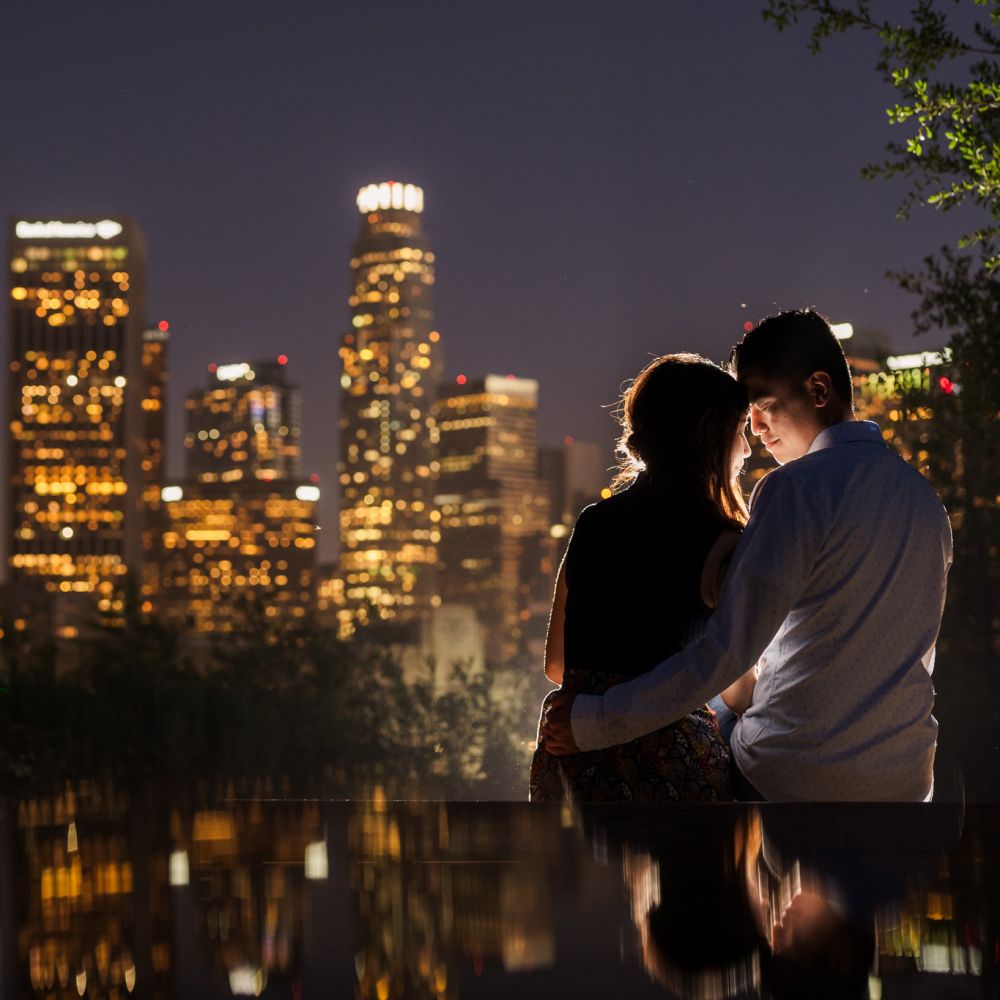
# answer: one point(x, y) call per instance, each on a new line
point(633, 575)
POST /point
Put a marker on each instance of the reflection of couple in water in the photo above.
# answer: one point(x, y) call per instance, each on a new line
point(769, 901)
point(705, 653)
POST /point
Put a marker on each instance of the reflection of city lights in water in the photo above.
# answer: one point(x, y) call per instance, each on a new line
point(180, 873)
point(245, 981)
point(317, 862)
point(481, 889)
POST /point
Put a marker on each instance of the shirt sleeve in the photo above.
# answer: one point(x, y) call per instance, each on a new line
point(770, 570)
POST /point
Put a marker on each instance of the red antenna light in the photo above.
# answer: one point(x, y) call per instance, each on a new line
point(461, 379)
point(947, 386)
point(212, 367)
point(511, 378)
point(314, 478)
point(568, 440)
point(282, 359)
point(747, 326)
point(163, 326)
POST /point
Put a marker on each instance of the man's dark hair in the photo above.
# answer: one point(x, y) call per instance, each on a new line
point(792, 345)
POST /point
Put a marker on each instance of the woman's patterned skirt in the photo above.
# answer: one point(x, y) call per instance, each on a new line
point(687, 761)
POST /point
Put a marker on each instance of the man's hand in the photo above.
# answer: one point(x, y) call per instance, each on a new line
point(555, 729)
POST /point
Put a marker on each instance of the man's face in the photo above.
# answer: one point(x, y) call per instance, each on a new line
point(784, 415)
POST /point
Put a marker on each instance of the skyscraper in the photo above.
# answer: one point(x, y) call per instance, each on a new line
point(245, 424)
point(496, 550)
point(75, 390)
point(391, 359)
point(239, 553)
point(153, 447)
point(240, 533)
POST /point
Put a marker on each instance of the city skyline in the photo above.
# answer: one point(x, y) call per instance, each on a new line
point(445, 495)
point(624, 193)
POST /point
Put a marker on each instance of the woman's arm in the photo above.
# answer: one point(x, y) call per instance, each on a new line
point(554, 664)
point(740, 693)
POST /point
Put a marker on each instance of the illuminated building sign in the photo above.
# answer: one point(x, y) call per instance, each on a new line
point(499, 385)
point(230, 373)
point(842, 331)
point(106, 229)
point(390, 194)
point(307, 493)
point(923, 360)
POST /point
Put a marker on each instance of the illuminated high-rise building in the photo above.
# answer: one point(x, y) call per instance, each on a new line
point(496, 549)
point(245, 424)
point(240, 534)
point(78, 465)
point(153, 446)
point(391, 359)
point(898, 392)
point(239, 554)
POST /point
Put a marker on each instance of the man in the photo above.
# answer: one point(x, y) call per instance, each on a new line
point(835, 590)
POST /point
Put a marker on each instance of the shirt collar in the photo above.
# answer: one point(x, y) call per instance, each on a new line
point(846, 432)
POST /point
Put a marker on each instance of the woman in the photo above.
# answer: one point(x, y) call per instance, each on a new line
point(640, 576)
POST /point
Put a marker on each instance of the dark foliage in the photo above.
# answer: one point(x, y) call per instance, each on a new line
point(285, 713)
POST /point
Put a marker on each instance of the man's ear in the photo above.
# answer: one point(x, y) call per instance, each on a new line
point(819, 385)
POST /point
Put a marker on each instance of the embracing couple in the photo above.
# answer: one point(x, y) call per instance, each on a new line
point(708, 652)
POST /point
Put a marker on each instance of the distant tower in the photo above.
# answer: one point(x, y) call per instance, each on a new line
point(240, 535)
point(155, 342)
point(244, 425)
point(496, 550)
point(392, 364)
point(76, 374)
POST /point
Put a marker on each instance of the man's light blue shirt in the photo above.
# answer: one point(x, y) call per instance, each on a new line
point(836, 590)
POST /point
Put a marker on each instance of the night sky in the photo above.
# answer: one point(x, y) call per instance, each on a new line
point(603, 181)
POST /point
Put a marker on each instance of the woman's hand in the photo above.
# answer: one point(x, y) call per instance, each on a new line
point(555, 730)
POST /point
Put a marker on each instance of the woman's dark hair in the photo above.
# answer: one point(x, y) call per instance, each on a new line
point(792, 345)
point(679, 420)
